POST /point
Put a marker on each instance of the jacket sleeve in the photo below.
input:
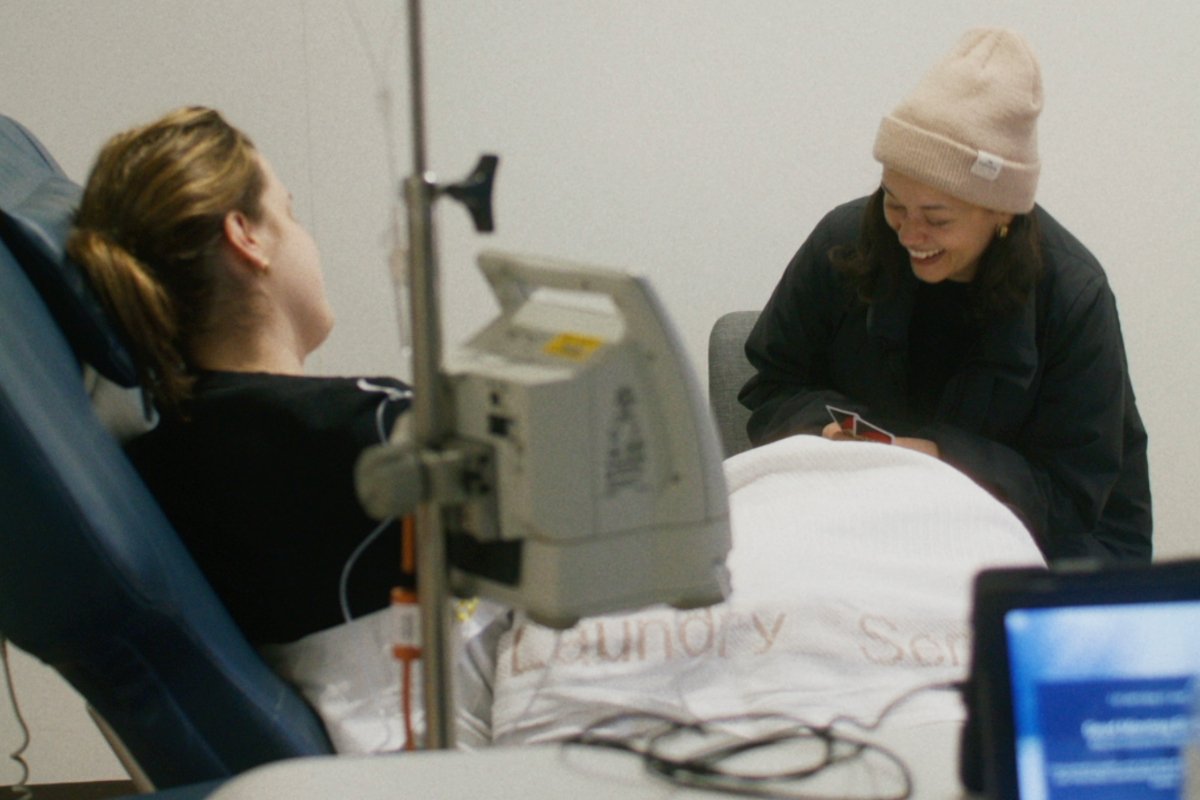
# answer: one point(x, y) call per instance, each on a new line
point(1059, 473)
point(789, 344)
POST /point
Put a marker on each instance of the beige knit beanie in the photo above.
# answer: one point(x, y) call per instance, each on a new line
point(970, 126)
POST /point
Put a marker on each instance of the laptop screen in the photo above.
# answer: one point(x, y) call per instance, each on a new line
point(1083, 681)
point(1102, 697)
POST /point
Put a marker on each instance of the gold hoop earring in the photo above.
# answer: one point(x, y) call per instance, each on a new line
point(1002, 231)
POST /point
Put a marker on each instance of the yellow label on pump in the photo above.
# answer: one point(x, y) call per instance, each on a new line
point(574, 346)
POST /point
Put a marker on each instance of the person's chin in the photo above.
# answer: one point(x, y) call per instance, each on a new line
point(931, 272)
point(936, 270)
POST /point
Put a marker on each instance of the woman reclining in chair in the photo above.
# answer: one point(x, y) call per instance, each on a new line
point(189, 237)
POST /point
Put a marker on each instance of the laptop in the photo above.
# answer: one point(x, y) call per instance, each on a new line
point(1083, 683)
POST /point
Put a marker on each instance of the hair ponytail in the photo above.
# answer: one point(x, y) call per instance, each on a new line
point(142, 308)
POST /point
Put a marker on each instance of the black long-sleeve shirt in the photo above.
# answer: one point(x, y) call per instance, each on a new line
point(259, 483)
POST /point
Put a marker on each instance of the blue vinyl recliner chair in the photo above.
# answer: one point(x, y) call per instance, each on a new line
point(93, 580)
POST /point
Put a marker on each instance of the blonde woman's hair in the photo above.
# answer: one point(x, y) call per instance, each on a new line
point(148, 230)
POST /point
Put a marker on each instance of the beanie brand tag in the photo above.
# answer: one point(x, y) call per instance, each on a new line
point(987, 165)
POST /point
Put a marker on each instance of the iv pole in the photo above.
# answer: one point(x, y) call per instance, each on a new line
point(433, 422)
point(430, 468)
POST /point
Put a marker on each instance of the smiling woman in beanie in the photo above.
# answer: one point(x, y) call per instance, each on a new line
point(951, 310)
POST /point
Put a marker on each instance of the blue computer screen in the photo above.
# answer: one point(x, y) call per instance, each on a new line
point(1102, 698)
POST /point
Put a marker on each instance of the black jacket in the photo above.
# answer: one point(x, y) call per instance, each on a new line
point(1041, 413)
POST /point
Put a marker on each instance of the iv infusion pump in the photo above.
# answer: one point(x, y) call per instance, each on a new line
point(593, 478)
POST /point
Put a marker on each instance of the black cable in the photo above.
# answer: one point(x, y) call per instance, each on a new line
point(895, 703)
point(21, 791)
point(709, 769)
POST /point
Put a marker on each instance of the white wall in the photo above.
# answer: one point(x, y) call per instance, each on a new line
point(694, 142)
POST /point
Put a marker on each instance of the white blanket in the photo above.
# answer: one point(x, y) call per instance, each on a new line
point(852, 568)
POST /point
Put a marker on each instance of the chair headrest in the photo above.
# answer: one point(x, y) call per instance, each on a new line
point(36, 213)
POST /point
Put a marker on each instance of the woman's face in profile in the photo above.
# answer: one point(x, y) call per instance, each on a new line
point(945, 237)
point(296, 263)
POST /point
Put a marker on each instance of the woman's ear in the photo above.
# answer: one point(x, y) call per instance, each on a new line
point(244, 239)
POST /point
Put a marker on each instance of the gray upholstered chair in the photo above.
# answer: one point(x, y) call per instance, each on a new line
point(728, 371)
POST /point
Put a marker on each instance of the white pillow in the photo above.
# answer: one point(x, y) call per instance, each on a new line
point(350, 677)
point(122, 411)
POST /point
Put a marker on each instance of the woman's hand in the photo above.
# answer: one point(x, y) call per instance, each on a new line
point(834, 432)
point(926, 446)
